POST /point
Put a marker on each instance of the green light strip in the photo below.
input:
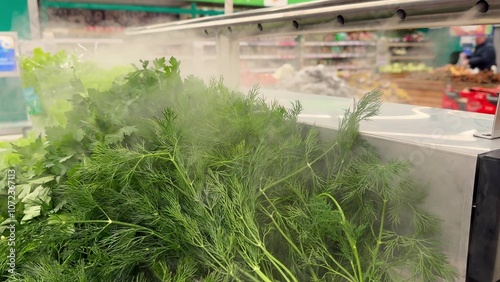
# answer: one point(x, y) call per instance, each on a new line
point(130, 8)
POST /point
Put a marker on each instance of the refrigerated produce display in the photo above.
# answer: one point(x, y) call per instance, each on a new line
point(321, 141)
point(414, 63)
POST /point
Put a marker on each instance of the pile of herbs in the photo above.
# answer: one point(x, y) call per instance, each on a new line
point(161, 178)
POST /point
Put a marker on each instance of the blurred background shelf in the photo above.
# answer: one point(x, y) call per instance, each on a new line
point(412, 57)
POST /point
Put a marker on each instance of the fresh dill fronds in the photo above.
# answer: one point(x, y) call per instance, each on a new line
point(164, 179)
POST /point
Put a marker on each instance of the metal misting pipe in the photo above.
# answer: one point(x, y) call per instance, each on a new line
point(228, 7)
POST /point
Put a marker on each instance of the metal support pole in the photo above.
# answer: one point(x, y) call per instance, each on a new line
point(228, 7)
point(495, 130)
point(228, 59)
point(34, 17)
point(44, 16)
point(228, 52)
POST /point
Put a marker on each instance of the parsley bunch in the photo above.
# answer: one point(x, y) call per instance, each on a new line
point(50, 75)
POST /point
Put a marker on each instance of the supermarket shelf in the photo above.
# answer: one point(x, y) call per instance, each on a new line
point(275, 55)
point(335, 67)
point(335, 56)
point(258, 43)
point(346, 67)
point(307, 44)
point(292, 43)
point(190, 58)
point(411, 58)
point(410, 44)
point(354, 67)
point(270, 43)
point(268, 57)
point(341, 43)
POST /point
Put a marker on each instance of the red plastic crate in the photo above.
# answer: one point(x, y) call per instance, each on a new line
point(474, 99)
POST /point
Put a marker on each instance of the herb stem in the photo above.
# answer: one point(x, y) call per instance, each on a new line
point(273, 260)
point(202, 246)
point(347, 273)
point(250, 276)
point(261, 275)
point(280, 230)
point(183, 176)
point(352, 242)
point(125, 224)
point(379, 238)
point(341, 275)
point(309, 164)
point(279, 265)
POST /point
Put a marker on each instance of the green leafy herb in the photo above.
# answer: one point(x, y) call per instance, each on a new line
point(160, 178)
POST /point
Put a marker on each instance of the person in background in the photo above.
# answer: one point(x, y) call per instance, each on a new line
point(484, 57)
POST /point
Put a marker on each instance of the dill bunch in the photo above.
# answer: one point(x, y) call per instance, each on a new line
point(165, 179)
